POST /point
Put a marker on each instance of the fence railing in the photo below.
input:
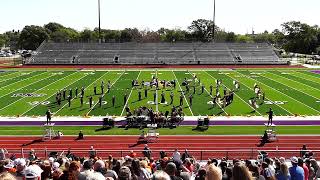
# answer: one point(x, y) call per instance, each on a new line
point(198, 154)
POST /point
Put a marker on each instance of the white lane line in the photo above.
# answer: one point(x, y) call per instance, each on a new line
point(129, 96)
point(20, 80)
point(182, 92)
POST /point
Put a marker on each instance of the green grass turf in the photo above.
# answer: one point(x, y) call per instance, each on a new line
point(182, 130)
point(299, 88)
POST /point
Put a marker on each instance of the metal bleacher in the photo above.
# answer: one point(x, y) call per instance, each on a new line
point(155, 53)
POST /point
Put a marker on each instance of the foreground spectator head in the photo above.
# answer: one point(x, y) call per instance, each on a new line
point(294, 160)
point(160, 175)
point(7, 176)
point(124, 173)
point(241, 172)
point(32, 172)
point(171, 169)
point(213, 173)
point(98, 165)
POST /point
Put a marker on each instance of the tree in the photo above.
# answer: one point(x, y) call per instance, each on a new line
point(125, 36)
point(231, 37)
point(299, 37)
point(202, 29)
point(89, 36)
point(3, 40)
point(244, 39)
point(32, 36)
point(53, 27)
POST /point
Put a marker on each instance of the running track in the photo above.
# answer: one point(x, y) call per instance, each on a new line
point(220, 146)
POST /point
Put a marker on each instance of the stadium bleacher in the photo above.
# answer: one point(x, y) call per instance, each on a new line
point(155, 53)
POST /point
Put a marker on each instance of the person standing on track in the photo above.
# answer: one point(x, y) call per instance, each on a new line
point(48, 114)
point(270, 114)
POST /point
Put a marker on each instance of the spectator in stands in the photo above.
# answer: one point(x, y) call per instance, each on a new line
point(213, 172)
point(283, 173)
point(176, 155)
point(100, 167)
point(3, 153)
point(146, 151)
point(20, 164)
point(305, 168)
point(47, 173)
point(303, 151)
point(311, 169)
point(57, 172)
point(296, 172)
point(138, 172)
point(201, 175)
point(171, 170)
point(255, 173)
point(92, 152)
point(125, 173)
point(241, 172)
point(32, 172)
point(132, 154)
point(32, 155)
point(185, 155)
point(269, 161)
point(316, 168)
point(7, 176)
point(266, 172)
point(160, 175)
point(72, 173)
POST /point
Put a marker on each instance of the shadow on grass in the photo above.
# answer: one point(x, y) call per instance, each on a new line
point(103, 129)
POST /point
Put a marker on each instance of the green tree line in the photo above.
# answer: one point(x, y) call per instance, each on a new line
point(293, 36)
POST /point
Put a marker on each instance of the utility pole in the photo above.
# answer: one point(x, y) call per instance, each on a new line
point(214, 20)
point(99, 21)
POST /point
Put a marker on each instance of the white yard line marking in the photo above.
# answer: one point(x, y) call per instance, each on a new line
point(266, 98)
point(129, 96)
point(306, 76)
point(281, 92)
point(20, 80)
point(293, 88)
point(295, 82)
point(105, 92)
point(53, 95)
point(234, 93)
point(3, 80)
point(79, 92)
point(37, 90)
point(182, 92)
point(27, 85)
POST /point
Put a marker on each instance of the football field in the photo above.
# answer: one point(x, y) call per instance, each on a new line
point(288, 92)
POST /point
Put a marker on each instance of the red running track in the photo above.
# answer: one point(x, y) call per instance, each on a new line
point(202, 147)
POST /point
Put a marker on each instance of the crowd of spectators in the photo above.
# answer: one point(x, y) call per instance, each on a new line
point(165, 166)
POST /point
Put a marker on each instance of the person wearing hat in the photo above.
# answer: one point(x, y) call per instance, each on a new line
point(20, 164)
point(296, 172)
point(32, 172)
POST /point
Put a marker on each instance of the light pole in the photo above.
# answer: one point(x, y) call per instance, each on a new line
point(214, 19)
point(99, 21)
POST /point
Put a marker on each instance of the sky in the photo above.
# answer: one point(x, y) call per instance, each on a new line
point(231, 15)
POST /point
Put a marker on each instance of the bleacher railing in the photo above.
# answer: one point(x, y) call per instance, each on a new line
point(200, 155)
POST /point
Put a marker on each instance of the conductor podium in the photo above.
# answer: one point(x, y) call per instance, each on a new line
point(271, 132)
point(49, 132)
